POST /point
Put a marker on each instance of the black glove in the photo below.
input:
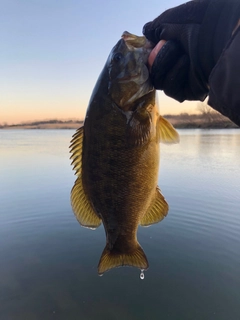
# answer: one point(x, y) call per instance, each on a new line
point(196, 33)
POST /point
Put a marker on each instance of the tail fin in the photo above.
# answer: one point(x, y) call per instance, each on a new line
point(112, 259)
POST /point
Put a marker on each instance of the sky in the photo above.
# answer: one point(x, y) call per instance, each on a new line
point(52, 52)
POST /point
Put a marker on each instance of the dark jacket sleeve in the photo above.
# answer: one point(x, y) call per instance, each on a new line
point(224, 81)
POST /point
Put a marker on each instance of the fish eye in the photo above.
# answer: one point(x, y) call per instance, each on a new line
point(117, 57)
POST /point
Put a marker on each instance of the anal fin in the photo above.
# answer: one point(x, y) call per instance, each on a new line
point(82, 208)
point(157, 210)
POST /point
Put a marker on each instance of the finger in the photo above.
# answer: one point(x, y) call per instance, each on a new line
point(176, 82)
point(165, 60)
point(149, 32)
point(155, 51)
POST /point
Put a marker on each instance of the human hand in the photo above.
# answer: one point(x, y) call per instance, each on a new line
point(195, 34)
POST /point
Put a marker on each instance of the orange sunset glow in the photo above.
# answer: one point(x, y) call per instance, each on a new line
point(48, 70)
point(26, 111)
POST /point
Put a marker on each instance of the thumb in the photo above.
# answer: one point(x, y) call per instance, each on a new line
point(155, 51)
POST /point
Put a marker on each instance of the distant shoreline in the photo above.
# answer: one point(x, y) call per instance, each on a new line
point(182, 121)
point(46, 124)
point(200, 121)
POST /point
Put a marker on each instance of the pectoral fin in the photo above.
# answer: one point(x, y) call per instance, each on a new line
point(76, 151)
point(113, 258)
point(165, 132)
point(82, 208)
point(157, 210)
point(139, 127)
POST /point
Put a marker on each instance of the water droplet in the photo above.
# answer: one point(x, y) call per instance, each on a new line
point(91, 228)
point(142, 275)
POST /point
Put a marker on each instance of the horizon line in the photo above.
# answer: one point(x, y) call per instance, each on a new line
point(5, 123)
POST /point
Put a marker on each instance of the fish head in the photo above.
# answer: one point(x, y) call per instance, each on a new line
point(129, 77)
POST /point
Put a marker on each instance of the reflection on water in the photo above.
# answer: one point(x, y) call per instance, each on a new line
point(48, 262)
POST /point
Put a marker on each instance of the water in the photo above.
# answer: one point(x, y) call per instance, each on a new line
point(48, 263)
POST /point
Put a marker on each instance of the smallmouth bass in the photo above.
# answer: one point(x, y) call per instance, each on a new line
point(116, 155)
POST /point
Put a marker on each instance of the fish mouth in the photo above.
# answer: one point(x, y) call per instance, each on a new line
point(132, 80)
point(136, 41)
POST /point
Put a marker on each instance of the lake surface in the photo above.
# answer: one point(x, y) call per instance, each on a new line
point(48, 262)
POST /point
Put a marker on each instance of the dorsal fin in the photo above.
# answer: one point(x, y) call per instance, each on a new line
point(166, 132)
point(157, 210)
point(76, 151)
point(82, 208)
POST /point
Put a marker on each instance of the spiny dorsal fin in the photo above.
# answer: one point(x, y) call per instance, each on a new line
point(76, 151)
point(157, 211)
point(82, 208)
point(112, 259)
point(165, 131)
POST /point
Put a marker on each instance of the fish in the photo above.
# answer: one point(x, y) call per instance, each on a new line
point(115, 155)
